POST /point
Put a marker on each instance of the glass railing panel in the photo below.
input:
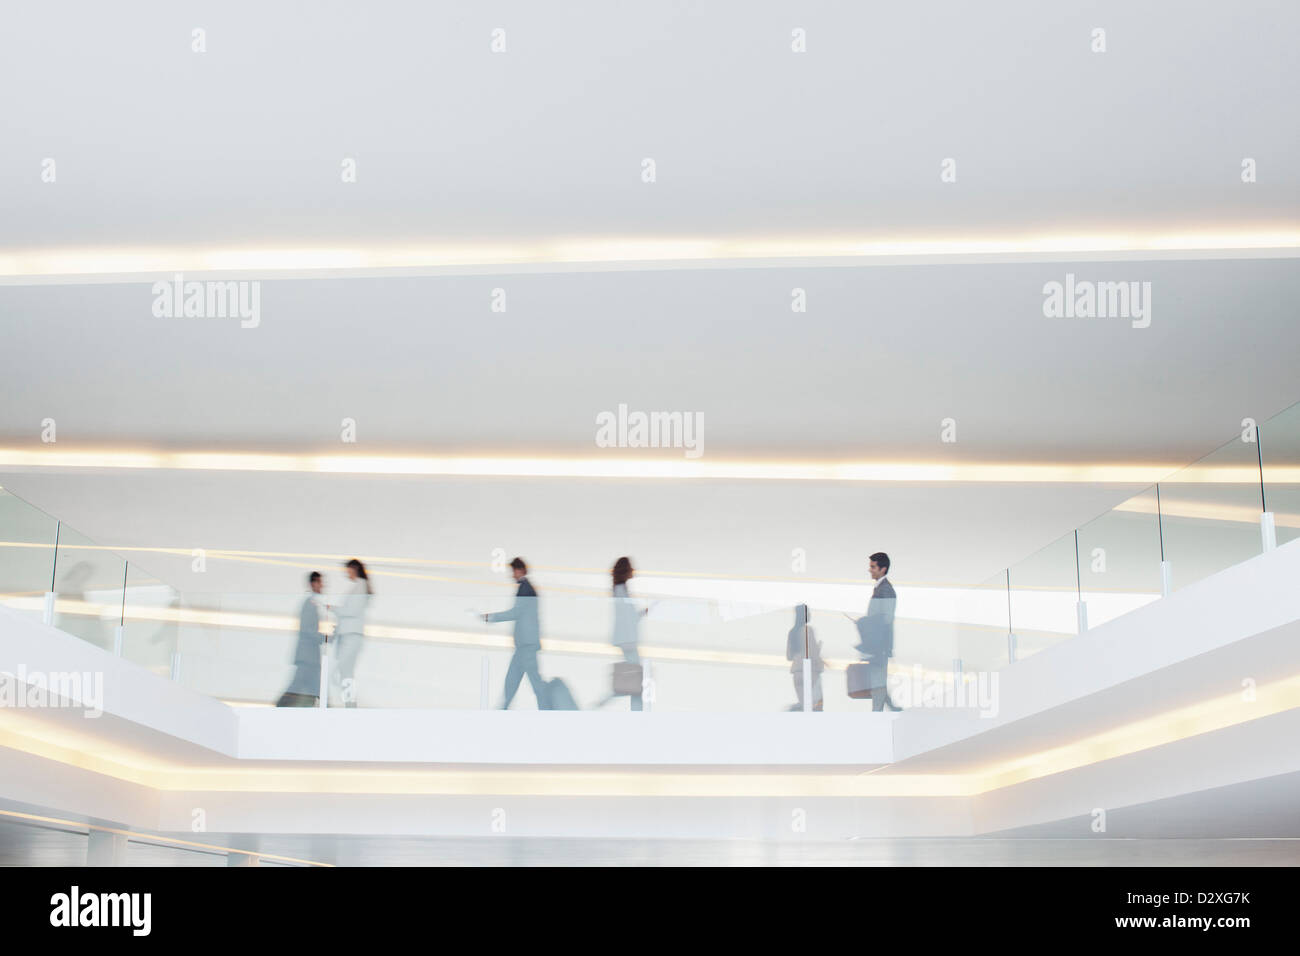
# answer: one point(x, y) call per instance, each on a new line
point(237, 648)
point(835, 639)
point(738, 662)
point(26, 555)
point(929, 622)
point(983, 626)
point(1210, 512)
point(426, 651)
point(1119, 558)
point(88, 581)
point(151, 622)
point(434, 651)
point(942, 634)
point(926, 657)
point(423, 651)
point(1044, 597)
point(1280, 449)
point(735, 662)
point(698, 655)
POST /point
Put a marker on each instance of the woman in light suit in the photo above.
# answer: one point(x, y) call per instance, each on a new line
point(349, 610)
point(627, 620)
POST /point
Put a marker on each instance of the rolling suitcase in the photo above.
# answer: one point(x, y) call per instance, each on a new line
point(558, 696)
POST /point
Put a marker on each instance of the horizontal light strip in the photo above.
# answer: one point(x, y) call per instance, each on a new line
point(61, 744)
point(627, 252)
point(1202, 717)
point(1206, 511)
point(154, 838)
point(376, 569)
point(636, 468)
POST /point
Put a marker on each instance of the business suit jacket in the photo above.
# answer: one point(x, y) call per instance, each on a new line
point(528, 631)
point(877, 628)
point(306, 679)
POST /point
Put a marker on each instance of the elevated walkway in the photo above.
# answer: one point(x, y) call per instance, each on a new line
point(1199, 690)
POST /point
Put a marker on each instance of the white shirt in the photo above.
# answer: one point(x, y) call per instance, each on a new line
point(350, 608)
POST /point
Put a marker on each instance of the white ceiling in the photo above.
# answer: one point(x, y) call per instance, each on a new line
point(156, 144)
point(882, 356)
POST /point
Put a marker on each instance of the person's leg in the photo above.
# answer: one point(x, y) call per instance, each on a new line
point(335, 689)
point(514, 674)
point(889, 701)
point(796, 674)
point(877, 686)
point(534, 672)
point(292, 696)
point(349, 649)
point(818, 702)
point(632, 657)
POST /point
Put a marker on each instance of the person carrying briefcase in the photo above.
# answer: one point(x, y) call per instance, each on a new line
point(867, 678)
point(628, 676)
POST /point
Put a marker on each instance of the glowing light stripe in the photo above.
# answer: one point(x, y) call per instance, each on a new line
point(1206, 510)
point(375, 565)
point(1169, 727)
point(595, 251)
point(633, 468)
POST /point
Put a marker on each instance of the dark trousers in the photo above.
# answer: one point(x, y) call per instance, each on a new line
point(524, 662)
point(290, 699)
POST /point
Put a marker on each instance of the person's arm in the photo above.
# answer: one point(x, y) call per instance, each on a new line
point(508, 615)
point(642, 609)
point(887, 625)
point(350, 604)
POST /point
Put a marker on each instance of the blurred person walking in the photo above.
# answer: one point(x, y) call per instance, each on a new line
point(349, 612)
point(877, 631)
point(304, 689)
point(528, 638)
point(802, 643)
point(628, 676)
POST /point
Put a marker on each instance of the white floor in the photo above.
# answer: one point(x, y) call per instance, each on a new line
point(22, 845)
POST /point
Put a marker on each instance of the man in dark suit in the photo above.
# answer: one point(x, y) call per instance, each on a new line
point(528, 637)
point(877, 631)
point(304, 690)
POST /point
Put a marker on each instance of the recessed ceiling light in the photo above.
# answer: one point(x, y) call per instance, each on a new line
point(123, 263)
